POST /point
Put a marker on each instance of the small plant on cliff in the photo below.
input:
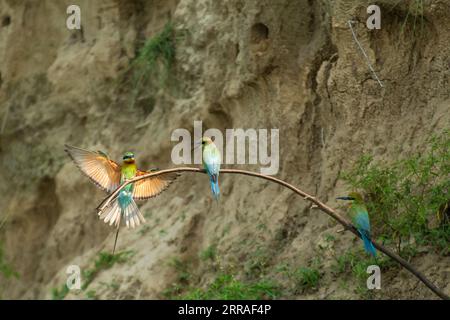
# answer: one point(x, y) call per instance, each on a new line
point(302, 278)
point(257, 262)
point(209, 253)
point(154, 61)
point(409, 199)
point(60, 294)
point(91, 295)
point(104, 261)
point(414, 13)
point(227, 287)
point(5, 268)
point(307, 278)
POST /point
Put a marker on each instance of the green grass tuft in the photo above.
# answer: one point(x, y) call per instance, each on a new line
point(5, 268)
point(414, 17)
point(227, 287)
point(182, 269)
point(104, 261)
point(91, 295)
point(144, 230)
point(154, 61)
point(307, 278)
point(257, 262)
point(209, 253)
point(60, 294)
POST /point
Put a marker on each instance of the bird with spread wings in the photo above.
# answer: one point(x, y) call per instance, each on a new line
point(108, 175)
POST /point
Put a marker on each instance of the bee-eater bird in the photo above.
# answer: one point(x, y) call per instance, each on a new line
point(211, 163)
point(360, 219)
point(108, 175)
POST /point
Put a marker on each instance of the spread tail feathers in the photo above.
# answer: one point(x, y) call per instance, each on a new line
point(131, 214)
point(114, 212)
point(368, 245)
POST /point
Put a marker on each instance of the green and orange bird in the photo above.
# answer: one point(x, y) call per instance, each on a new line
point(360, 218)
point(108, 175)
point(211, 163)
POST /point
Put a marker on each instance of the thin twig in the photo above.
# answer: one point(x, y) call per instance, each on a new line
point(323, 207)
point(364, 53)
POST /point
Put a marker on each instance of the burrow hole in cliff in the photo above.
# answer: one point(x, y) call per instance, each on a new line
point(259, 32)
point(6, 21)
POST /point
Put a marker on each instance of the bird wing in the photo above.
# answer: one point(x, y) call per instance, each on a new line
point(212, 160)
point(151, 187)
point(104, 172)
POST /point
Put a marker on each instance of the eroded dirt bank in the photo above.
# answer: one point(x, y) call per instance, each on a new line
point(291, 65)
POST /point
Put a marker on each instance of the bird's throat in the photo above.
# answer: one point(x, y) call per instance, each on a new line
point(129, 169)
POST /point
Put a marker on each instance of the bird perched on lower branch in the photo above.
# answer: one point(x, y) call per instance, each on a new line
point(360, 218)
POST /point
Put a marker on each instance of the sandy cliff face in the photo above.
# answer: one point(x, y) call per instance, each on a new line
point(291, 65)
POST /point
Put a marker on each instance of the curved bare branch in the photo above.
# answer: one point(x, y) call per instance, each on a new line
point(320, 205)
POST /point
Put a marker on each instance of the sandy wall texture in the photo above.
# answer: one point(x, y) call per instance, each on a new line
point(291, 65)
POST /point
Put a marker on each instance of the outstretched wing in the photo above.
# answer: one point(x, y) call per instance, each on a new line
point(151, 187)
point(96, 166)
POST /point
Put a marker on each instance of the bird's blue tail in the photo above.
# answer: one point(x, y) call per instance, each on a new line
point(215, 187)
point(368, 245)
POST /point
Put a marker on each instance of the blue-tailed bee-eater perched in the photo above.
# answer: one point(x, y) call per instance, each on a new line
point(211, 163)
point(108, 175)
point(360, 218)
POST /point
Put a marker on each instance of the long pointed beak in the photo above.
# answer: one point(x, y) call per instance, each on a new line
point(344, 198)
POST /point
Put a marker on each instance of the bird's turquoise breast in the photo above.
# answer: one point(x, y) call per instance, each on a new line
point(125, 196)
point(360, 217)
